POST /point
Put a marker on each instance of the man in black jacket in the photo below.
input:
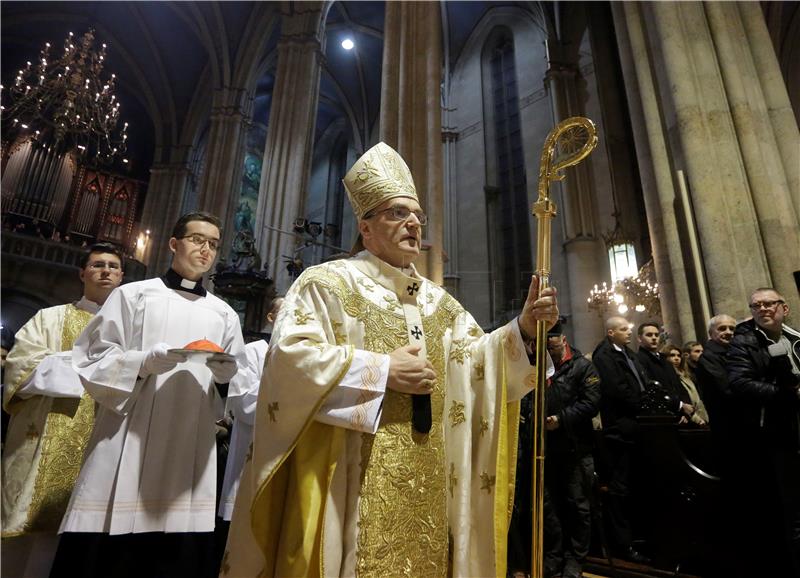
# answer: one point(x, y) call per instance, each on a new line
point(712, 375)
point(764, 371)
point(622, 382)
point(572, 399)
point(658, 369)
point(732, 431)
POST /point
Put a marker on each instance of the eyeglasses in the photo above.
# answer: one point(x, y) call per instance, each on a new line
point(200, 240)
point(766, 304)
point(398, 213)
point(112, 266)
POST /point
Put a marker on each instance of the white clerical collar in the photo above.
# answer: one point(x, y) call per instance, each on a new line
point(186, 284)
point(396, 279)
point(87, 305)
point(617, 347)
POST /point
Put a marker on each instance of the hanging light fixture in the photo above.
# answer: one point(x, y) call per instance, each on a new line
point(621, 253)
point(64, 101)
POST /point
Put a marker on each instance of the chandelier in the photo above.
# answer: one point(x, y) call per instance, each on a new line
point(63, 101)
point(638, 293)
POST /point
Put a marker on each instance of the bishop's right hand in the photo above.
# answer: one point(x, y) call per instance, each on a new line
point(408, 373)
point(160, 360)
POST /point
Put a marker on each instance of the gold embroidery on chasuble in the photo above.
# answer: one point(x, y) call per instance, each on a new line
point(484, 427)
point(66, 433)
point(301, 317)
point(32, 432)
point(403, 505)
point(510, 342)
point(402, 510)
point(456, 413)
point(487, 482)
point(459, 352)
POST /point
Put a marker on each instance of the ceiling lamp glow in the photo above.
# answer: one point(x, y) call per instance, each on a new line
point(348, 44)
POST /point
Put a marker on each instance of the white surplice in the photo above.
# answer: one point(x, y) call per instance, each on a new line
point(241, 402)
point(151, 461)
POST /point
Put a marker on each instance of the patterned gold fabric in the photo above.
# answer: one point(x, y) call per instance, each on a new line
point(66, 433)
point(47, 435)
point(380, 174)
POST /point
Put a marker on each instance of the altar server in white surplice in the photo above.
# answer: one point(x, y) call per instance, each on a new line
point(51, 420)
point(145, 499)
point(241, 403)
point(386, 425)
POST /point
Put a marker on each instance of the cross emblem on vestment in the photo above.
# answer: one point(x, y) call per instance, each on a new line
point(416, 332)
point(32, 432)
point(272, 408)
point(413, 288)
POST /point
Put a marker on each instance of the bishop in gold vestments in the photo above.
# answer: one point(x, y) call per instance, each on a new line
point(339, 483)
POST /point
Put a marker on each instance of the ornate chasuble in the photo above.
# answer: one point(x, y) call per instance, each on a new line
point(336, 500)
point(403, 506)
point(62, 436)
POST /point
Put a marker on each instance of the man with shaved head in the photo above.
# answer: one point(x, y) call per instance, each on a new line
point(622, 381)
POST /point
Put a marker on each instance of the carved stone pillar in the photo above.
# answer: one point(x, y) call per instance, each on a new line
point(224, 162)
point(162, 207)
point(776, 96)
point(765, 171)
point(658, 186)
point(287, 156)
point(411, 116)
point(743, 238)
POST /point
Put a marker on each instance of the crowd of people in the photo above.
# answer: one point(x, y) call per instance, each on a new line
point(373, 435)
point(742, 385)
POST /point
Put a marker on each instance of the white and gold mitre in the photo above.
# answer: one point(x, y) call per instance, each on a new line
point(380, 174)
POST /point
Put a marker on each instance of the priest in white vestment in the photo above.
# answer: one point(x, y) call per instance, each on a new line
point(386, 426)
point(145, 498)
point(51, 420)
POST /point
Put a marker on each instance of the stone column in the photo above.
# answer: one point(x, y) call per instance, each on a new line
point(583, 250)
point(410, 118)
point(755, 134)
point(737, 252)
point(287, 155)
point(224, 161)
point(162, 207)
point(776, 97)
point(656, 173)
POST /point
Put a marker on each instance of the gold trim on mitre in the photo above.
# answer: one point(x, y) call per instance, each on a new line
point(380, 174)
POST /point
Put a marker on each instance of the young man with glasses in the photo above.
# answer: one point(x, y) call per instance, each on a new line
point(144, 501)
point(764, 372)
point(51, 419)
point(386, 417)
